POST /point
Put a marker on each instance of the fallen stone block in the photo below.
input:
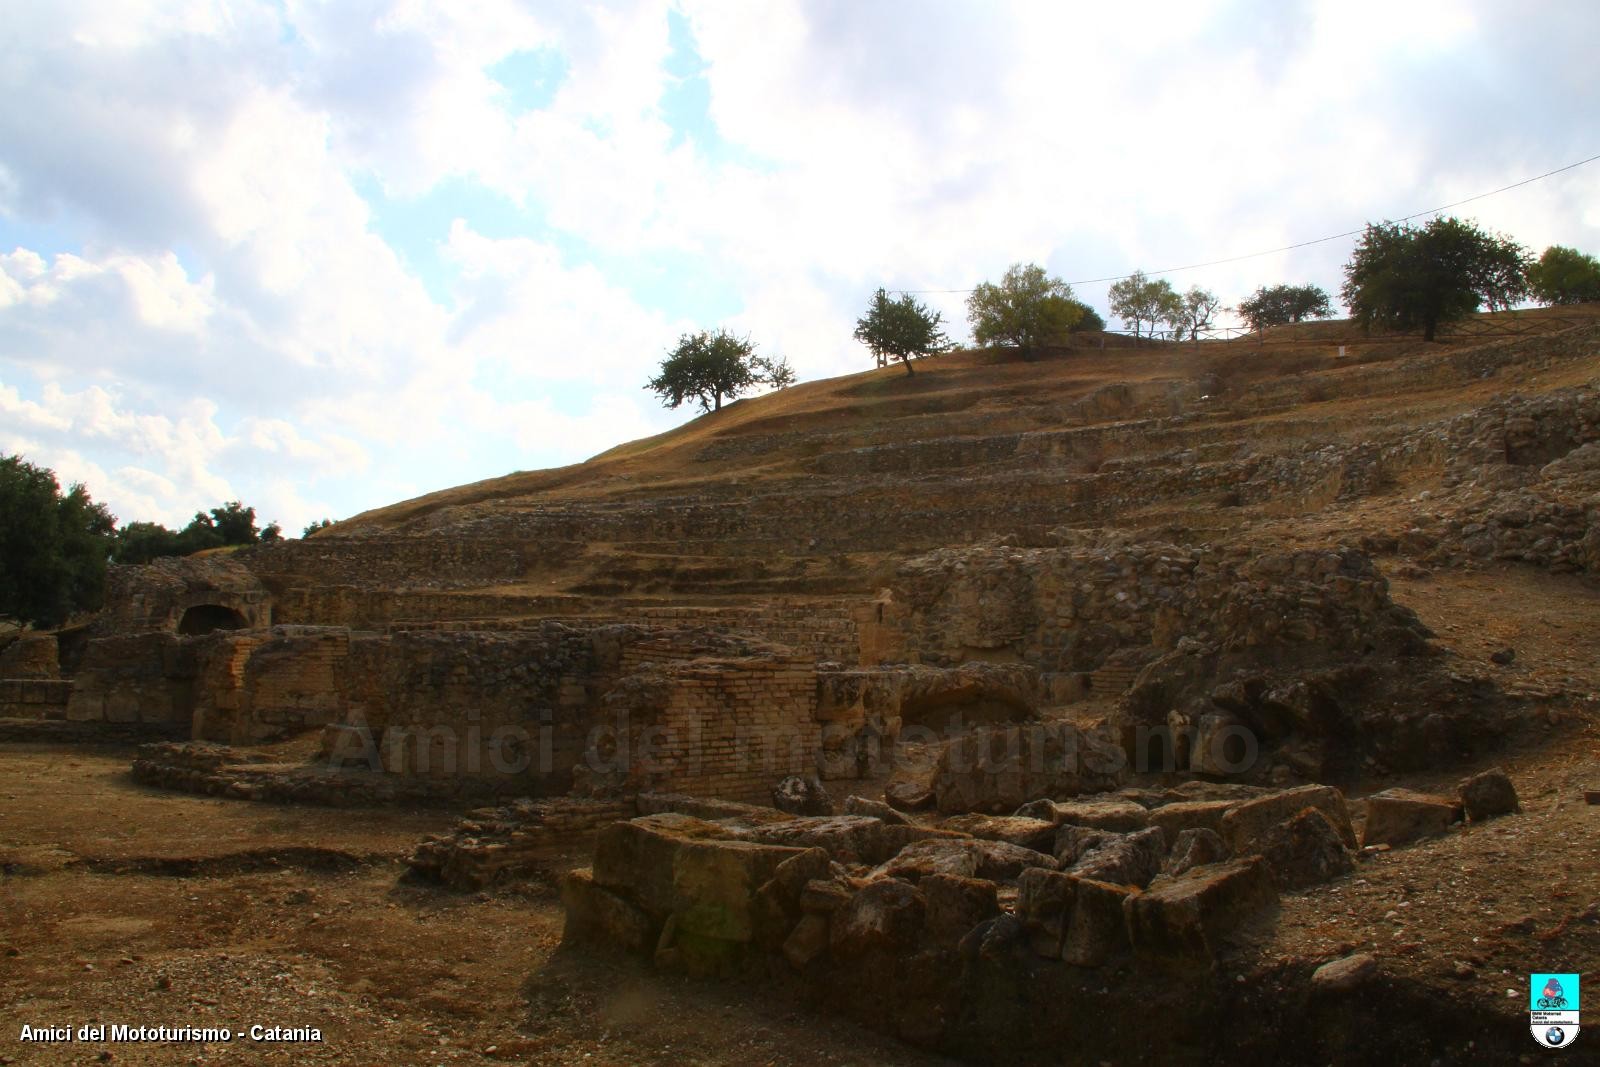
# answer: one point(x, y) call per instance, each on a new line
point(1194, 848)
point(955, 905)
point(1098, 928)
point(777, 903)
point(1399, 816)
point(599, 916)
point(676, 865)
point(1191, 815)
point(998, 940)
point(909, 796)
point(1252, 818)
point(1116, 815)
point(1036, 834)
point(1072, 842)
point(847, 838)
point(1486, 795)
point(1044, 904)
point(877, 809)
point(885, 914)
point(1191, 914)
point(996, 861)
point(806, 942)
point(824, 896)
point(1305, 850)
point(1129, 859)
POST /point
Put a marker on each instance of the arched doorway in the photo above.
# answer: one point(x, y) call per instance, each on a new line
point(209, 618)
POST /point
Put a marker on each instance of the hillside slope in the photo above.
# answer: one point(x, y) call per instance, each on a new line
point(814, 491)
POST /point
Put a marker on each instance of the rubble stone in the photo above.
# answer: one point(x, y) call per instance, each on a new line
point(1305, 850)
point(1189, 915)
point(1400, 816)
point(1486, 795)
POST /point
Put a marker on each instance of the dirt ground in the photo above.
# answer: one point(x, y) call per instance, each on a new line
point(121, 904)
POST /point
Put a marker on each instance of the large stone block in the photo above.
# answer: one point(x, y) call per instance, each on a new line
point(1036, 834)
point(847, 838)
point(886, 914)
point(1112, 813)
point(1305, 850)
point(677, 865)
point(1400, 816)
point(1190, 915)
point(1242, 826)
point(1128, 859)
point(965, 858)
point(596, 914)
point(1044, 904)
point(1191, 815)
point(1098, 927)
point(955, 905)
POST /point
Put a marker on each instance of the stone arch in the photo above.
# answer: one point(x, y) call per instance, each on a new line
point(209, 618)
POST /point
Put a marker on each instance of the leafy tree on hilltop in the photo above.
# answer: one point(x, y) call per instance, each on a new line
point(1280, 305)
point(1194, 312)
point(900, 329)
point(1403, 277)
point(707, 368)
point(1089, 319)
point(775, 372)
point(1138, 300)
point(227, 525)
point(1565, 276)
point(53, 547)
point(320, 524)
point(1027, 309)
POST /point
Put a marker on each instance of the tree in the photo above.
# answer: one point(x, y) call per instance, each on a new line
point(53, 547)
point(1565, 276)
point(1194, 312)
point(900, 329)
point(1027, 309)
point(1138, 300)
point(1403, 277)
point(1089, 320)
point(1280, 305)
point(228, 524)
point(707, 367)
point(774, 372)
point(320, 524)
point(1500, 272)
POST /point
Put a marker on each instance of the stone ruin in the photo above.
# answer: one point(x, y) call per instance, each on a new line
point(986, 936)
point(1103, 708)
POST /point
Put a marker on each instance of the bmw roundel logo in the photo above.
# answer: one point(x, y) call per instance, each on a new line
point(1555, 1035)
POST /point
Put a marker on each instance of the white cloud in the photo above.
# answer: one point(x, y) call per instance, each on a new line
point(200, 304)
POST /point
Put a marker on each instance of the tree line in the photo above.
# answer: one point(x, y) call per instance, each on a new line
point(1399, 277)
point(55, 545)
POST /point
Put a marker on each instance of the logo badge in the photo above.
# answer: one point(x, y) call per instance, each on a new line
point(1553, 1009)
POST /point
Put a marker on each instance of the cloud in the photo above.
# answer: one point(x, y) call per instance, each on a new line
point(197, 302)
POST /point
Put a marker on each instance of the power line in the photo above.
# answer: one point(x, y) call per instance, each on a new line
point(1298, 244)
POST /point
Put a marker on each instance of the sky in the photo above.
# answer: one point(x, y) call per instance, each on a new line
point(321, 257)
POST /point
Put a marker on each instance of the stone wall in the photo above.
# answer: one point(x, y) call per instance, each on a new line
point(34, 698)
point(158, 596)
point(1074, 609)
point(135, 678)
point(30, 655)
